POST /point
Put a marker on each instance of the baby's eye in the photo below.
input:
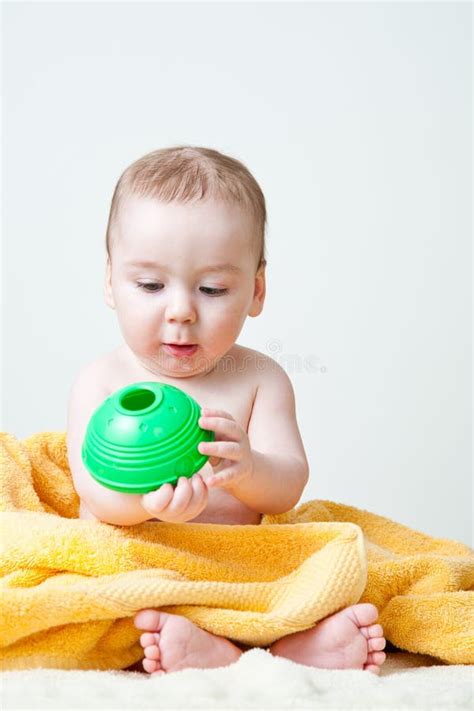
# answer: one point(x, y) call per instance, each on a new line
point(153, 287)
point(149, 286)
point(211, 291)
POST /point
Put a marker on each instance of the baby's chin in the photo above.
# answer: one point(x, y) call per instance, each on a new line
point(183, 367)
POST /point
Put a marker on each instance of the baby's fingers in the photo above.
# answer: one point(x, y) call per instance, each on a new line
point(200, 492)
point(221, 449)
point(182, 496)
point(192, 500)
point(169, 498)
point(159, 499)
point(181, 502)
point(177, 504)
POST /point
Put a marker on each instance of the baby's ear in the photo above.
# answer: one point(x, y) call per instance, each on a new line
point(108, 294)
point(256, 307)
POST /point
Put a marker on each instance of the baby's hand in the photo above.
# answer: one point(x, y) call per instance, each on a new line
point(180, 504)
point(230, 455)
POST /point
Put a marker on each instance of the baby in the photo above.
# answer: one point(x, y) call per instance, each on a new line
point(185, 267)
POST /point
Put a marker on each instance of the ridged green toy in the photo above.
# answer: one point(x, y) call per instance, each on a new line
point(143, 436)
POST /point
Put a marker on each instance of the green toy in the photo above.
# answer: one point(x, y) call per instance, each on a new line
point(143, 436)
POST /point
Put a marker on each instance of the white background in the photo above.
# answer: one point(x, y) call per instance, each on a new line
point(355, 119)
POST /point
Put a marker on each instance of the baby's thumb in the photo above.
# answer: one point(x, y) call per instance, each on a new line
point(215, 461)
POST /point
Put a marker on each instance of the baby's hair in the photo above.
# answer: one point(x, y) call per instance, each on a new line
point(190, 173)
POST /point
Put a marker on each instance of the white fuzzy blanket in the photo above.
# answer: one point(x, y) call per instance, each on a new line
point(257, 680)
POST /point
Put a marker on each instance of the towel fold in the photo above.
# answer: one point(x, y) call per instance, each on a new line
point(71, 587)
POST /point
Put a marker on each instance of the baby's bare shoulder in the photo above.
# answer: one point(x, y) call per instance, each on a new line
point(99, 373)
point(256, 364)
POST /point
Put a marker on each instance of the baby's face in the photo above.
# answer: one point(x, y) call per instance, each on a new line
point(163, 286)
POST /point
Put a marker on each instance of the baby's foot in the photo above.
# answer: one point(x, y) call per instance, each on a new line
point(346, 640)
point(173, 642)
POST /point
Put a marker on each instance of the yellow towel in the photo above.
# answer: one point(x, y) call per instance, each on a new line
point(71, 587)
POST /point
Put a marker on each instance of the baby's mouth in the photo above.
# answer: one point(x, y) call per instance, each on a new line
point(178, 351)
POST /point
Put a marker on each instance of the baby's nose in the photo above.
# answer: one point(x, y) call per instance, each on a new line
point(181, 312)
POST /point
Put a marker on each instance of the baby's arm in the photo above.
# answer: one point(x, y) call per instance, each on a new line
point(280, 467)
point(86, 394)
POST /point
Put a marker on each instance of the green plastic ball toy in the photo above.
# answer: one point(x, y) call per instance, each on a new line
point(143, 436)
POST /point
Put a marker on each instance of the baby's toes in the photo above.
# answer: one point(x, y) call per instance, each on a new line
point(375, 644)
point(372, 631)
point(147, 639)
point(150, 665)
point(376, 658)
point(152, 652)
point(374, 668)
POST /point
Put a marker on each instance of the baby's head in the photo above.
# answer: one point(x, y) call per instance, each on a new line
point(185, 256)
